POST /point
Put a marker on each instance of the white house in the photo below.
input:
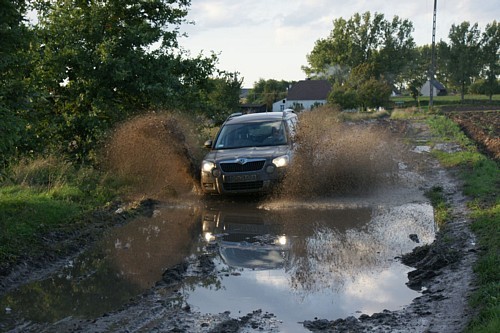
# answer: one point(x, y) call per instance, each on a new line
point(305, 95)
point(437, 88)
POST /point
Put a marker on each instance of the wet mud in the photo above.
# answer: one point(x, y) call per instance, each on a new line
point(192, 248)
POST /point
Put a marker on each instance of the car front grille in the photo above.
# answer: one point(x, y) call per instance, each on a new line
point(243, 186)
point(237, 167)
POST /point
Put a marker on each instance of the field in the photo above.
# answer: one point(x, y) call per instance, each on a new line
point(483, 127)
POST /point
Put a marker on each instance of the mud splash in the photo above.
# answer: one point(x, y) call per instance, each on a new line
point(339, 158)
point(157, 154)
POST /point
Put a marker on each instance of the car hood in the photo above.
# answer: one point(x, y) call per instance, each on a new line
point(248, 152)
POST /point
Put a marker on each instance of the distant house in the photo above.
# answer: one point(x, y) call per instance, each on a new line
point(438, 88)
point(305, 95)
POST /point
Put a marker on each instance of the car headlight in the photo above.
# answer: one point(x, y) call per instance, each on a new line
point(207, 166)
point(281, 161)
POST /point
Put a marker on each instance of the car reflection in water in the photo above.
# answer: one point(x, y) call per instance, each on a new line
point(330, 262)
point(245, 240)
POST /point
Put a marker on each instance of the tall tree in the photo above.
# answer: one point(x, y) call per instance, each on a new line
point(464, 55)
point(102, 60)
point(268, 91)
point(397, 51)
point(223, 96)
point(366, 38)
point(14, 41)
point(491, 55)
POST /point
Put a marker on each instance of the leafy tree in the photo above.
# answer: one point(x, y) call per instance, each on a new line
point(397, 52)
point(482, 87)
point(268, 91)
point(416, 73)
point(463, 55)
point(14, 41)
point(101, 61)
point(344, 96)
point(491, 56)
point(223, 96)
point(362, 39)
point(362, 89)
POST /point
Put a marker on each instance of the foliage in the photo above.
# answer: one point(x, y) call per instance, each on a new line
point(222, 96)
point(100, 62)
point(267, 92)
point(364, 39)
point(482, 87)
point(14, 40)
point(491, 56)
point(361, 89)
point(463, 55)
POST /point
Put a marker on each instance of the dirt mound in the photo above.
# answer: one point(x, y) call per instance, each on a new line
point(156, 154)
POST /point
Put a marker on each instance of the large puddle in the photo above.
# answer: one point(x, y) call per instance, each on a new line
point(299, 263)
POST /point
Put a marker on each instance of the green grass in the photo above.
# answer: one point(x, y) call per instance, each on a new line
point(26, 213)
point(45, 195)
point(481, 177)
point(441, 208)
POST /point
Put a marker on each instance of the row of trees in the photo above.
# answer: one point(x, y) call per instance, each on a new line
point(367, 51)
point(367, 57)
point(70, 75)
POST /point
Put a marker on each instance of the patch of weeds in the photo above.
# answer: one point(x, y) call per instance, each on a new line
point(449, 130)
point(408, 113)
point(441, 208)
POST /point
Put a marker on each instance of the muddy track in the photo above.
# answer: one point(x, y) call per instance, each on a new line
point(443, 269)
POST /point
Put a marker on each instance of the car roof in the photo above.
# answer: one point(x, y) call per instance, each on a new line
point(238, 118)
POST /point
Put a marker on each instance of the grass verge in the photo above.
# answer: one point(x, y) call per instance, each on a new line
point(481, 178)
point(46, 195)
point(441, 207)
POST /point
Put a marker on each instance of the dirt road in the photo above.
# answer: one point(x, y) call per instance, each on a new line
point(443, 270)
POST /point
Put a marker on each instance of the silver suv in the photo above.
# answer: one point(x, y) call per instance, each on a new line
point(249, 154)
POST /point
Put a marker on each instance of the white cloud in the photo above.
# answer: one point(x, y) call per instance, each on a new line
point(270, 39)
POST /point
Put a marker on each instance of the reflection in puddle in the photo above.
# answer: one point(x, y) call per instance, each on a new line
point(303, 264)
point(129, 260)
point(298, 264)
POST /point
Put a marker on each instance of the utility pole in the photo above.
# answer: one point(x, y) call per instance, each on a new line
point(433, 59)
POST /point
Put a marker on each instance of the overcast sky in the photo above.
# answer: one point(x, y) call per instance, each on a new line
point(270, 39)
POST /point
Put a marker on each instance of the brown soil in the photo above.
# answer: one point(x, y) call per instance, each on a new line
point(483, 127)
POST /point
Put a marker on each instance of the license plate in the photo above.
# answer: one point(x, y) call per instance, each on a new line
point(241, 178)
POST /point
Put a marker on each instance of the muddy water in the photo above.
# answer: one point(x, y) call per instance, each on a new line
point(310, 263)
point(297, 261)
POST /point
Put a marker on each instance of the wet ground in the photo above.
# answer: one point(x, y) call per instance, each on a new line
point(273, 265)
point(330, 260)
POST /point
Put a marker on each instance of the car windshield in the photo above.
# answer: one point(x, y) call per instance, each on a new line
point(254, 134)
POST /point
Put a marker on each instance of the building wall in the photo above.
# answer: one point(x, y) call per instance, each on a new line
point(286, 104)
point(425, 91)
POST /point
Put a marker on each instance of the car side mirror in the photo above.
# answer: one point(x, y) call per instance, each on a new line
point(208, 144)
